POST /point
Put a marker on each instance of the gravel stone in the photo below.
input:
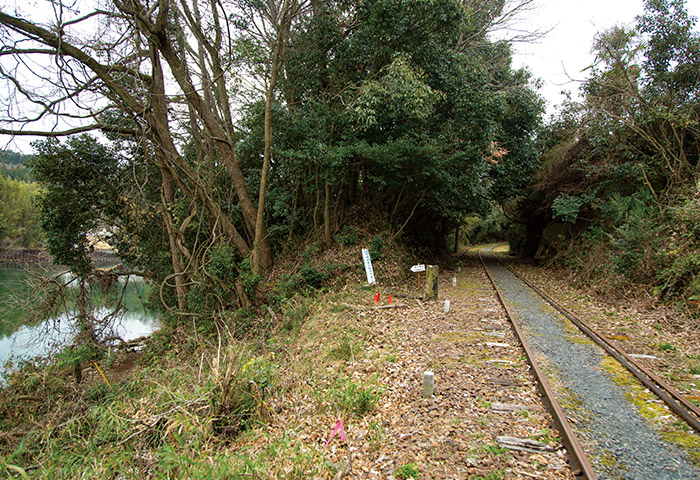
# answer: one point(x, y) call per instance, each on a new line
point(620, 442)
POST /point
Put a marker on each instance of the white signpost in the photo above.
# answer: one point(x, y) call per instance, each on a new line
point(368, 266)
point(417, 269)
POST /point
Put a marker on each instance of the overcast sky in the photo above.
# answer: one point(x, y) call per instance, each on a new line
point(560, 58)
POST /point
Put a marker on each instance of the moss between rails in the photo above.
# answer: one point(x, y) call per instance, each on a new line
point(609, 460)
point(568, 400)
point(575, 408)
point(576, 336)
point(653, 410)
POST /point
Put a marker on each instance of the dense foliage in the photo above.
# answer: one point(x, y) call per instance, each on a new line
point(14, 165)
point(403, 110)
point(19, 223)
point(18, 220)
point(381, 106)
point(620, 168)
point(81, 194)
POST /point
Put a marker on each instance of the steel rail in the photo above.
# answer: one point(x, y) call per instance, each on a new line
point(672, 397)
point(581, 467)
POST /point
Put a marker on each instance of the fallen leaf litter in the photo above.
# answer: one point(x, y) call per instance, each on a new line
point(483, 391)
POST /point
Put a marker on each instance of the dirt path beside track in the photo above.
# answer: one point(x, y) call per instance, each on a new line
point(483, 390)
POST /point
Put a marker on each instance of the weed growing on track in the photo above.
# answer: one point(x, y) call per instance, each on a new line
point(666, 347)
point(495, 449)
point(406, 471)
point(351, 398)
point(494, 475)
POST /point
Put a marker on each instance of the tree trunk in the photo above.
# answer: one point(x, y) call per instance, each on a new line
point(167, 197)
point(293, 215)
point(457, 239)
point(327, 217)
point(318, 201)
point(160, 40)
point(262, 257)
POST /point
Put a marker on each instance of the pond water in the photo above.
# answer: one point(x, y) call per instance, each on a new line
point(21, 341)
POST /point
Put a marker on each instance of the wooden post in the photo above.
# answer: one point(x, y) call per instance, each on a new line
point(457, 239)
point(431, 282)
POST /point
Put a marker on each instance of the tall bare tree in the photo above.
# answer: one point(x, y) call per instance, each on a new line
point(168, 66)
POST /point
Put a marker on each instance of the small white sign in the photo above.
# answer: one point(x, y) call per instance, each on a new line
point(418, 268)
point(368, 266)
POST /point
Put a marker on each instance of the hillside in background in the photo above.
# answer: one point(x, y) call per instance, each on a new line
point(19, 223)
point(14, 165)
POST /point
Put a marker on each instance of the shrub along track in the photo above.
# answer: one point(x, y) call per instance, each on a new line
point(627, 432)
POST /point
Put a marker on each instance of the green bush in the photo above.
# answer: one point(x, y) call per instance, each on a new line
point(295, 315)
point(284, 288)
point(406, 471)
point(223, 262)
point(681, 274)
point(351, 398)
point(312, 276)
point(248, 276)
point(240, 398)
point(566, 207)
point(626, 254)
point(347, 237)
point(376, 247)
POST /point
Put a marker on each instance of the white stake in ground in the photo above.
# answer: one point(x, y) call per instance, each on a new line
point(428, 384)
point(368, 267)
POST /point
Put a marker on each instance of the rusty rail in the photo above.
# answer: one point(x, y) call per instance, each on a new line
point(672, 397)
point(578, 459)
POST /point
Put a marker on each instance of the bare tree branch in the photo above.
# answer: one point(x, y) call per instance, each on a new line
point(72, 131)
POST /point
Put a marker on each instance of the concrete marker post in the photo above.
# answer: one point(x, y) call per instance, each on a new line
point(428, 384)
point(431, 282)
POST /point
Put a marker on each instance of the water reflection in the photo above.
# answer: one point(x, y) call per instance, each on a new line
point(41, 340)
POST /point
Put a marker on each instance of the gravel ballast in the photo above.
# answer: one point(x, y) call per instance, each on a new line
point(621, 442)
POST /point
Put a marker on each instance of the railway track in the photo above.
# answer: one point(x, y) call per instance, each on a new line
point(600, 398)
